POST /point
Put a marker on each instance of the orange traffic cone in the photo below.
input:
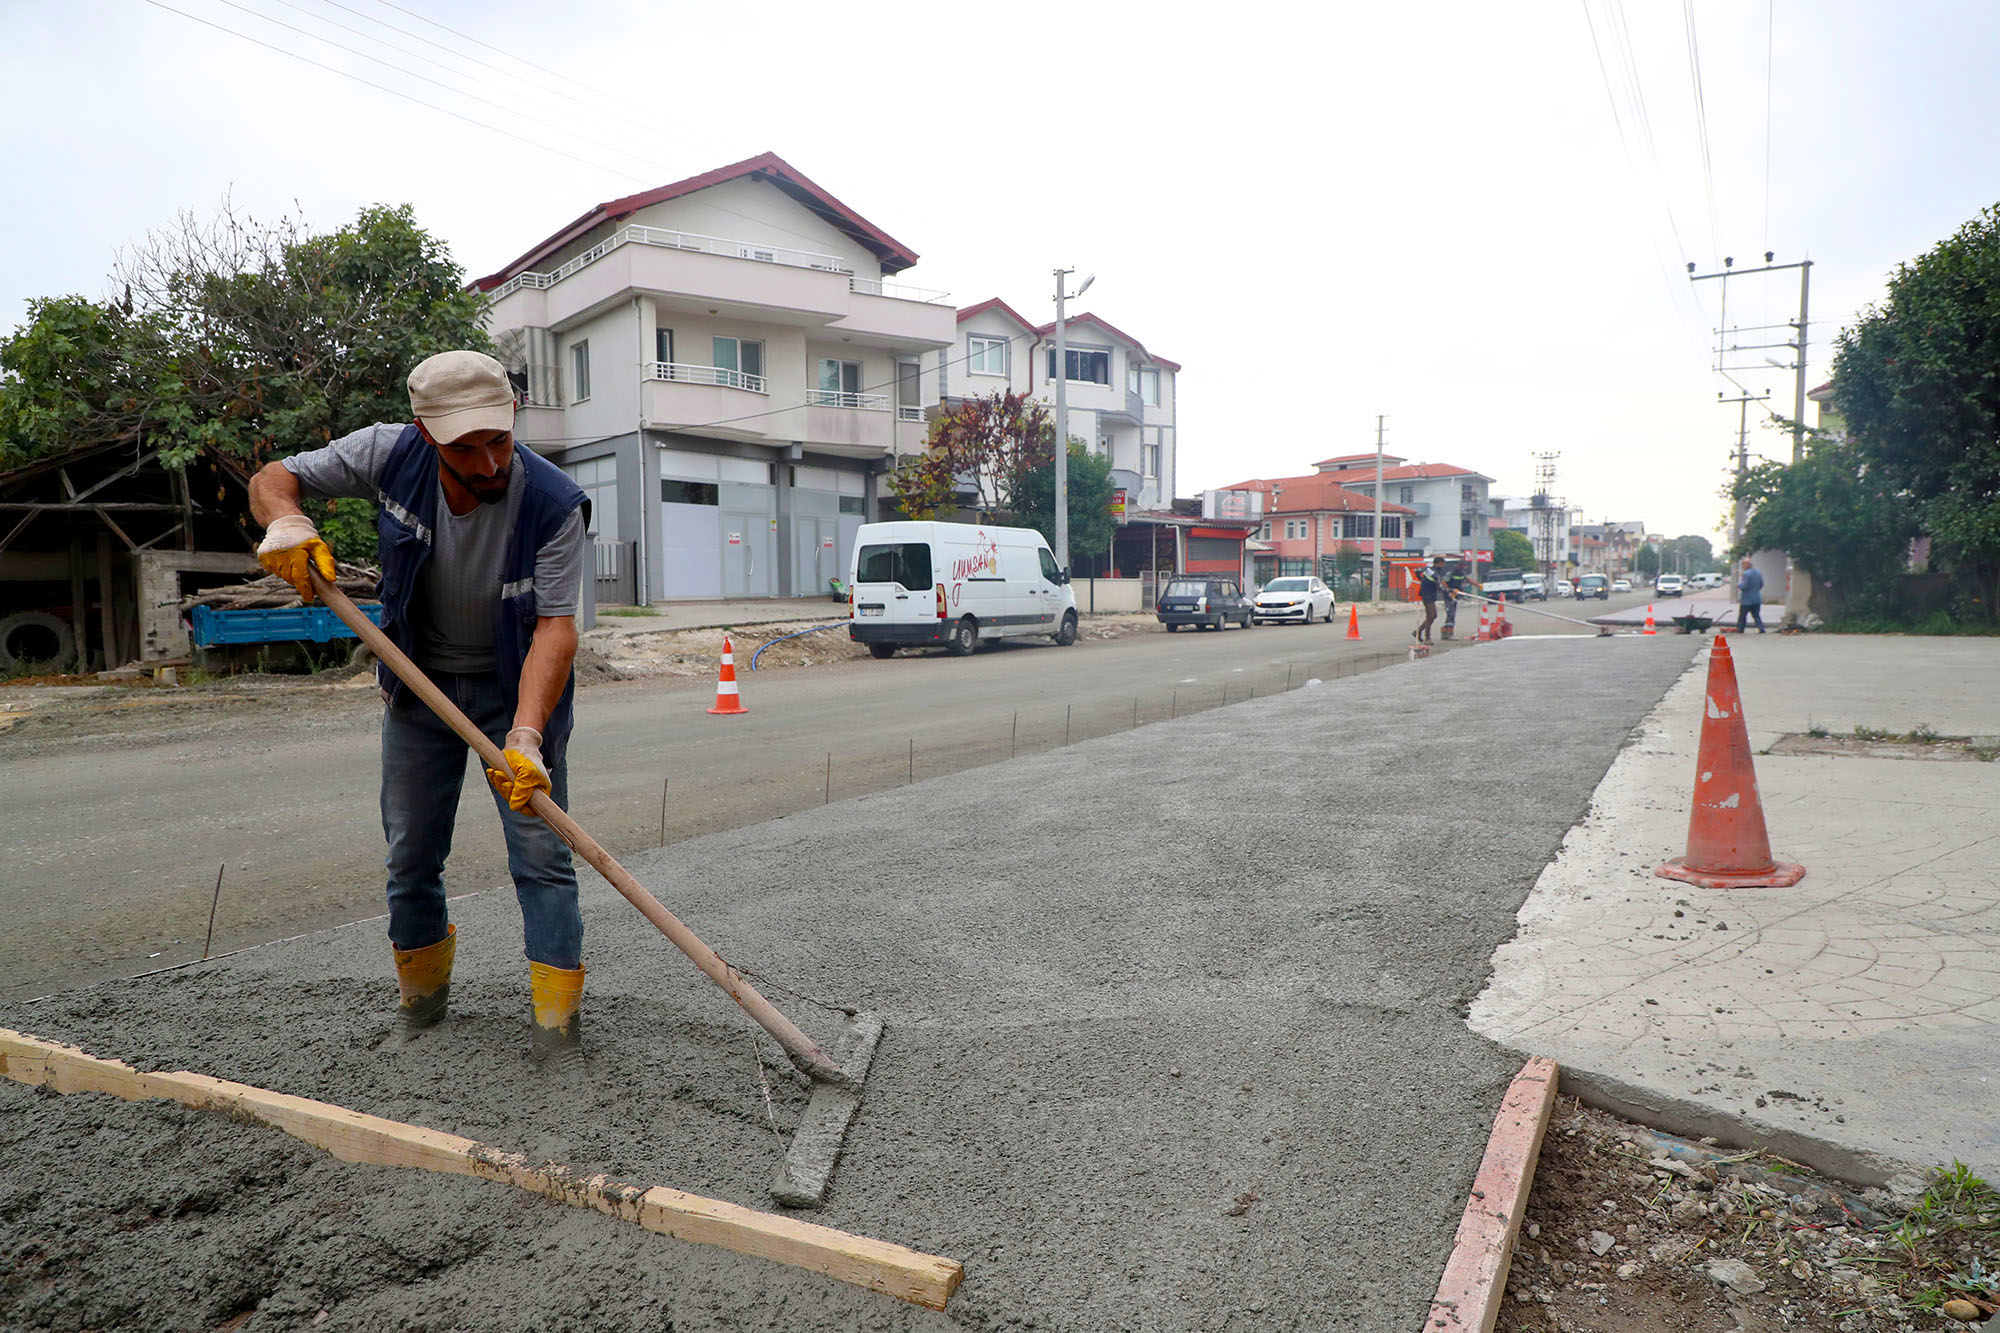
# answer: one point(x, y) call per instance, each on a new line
point(1727, 846)
point(1649, 619)
point(1353, 621)
point(1485, 626)
point(727, 700)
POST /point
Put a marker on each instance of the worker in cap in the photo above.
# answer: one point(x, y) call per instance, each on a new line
point(481, 546)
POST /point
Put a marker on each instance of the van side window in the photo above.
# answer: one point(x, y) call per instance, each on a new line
point(1050, 570)
point(907, 563)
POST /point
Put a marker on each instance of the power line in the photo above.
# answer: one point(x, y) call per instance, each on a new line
point(1701, 122)
point(468, 37)
point(397, 92)
point(1770, 25)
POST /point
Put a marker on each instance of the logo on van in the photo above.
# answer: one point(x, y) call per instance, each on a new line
point(984, 560)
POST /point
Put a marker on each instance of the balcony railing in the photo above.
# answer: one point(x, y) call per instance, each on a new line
point(909, 412)
point(675, 240)
point(678, 372)
point(867, 402)
point(897, 291)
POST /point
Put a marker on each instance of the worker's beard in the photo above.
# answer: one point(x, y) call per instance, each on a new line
point(487, 490)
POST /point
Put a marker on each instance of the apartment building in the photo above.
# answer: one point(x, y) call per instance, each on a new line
point(725, 366)
point(1119, 395)
point(1308, 520)
point(1447, 504)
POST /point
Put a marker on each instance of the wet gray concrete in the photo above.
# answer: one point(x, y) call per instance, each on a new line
point(1175, 1041)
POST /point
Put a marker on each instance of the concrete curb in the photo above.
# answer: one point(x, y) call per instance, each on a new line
point(1475, 1275)
point(1691, 1120)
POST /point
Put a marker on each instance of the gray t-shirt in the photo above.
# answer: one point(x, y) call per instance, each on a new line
point(457, 596)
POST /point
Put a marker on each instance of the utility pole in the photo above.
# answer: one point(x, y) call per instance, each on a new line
point(1797, 345)
point(1062, 412)
point(1377, 562)
point(1738, 509)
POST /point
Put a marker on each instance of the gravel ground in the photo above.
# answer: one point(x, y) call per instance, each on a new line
point(1175, 1041)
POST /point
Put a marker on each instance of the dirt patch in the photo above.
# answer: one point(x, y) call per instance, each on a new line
point(1628, 1231)
point(1870, 743)
point(698, 652)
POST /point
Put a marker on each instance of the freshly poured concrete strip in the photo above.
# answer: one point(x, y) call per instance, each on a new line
point(1848, 1021)
point(1175, 1039)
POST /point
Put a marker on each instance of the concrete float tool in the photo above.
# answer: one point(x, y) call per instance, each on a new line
point(801, 1181)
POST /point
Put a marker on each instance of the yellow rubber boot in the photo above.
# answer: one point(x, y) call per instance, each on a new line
point(558, 1027)
point(424, 978)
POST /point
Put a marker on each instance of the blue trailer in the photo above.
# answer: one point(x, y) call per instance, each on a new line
point(209, 628)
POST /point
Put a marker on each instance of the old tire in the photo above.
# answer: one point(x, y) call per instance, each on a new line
point(1172, 628)
point(1066, 635)
point(878, 651)
point(35, 638)
point(963, 638)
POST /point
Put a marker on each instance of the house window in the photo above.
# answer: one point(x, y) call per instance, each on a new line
point(1295, 529)
point(852, 504)
point(1468, 494)
point(579, 370)
point(689, 492)
point(1083, 364)
point(1406, 495)
point(1392, 525)
point(1264, 532)
point(1148, 387)
point(986, 356)
point(839, 377)
point(663, 344)
point(598, 480)
point(1149, 455)
point(1359, 525)
point(741, 361)
point(1465, 527)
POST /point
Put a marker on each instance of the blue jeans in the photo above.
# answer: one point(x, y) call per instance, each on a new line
point(1746, 611)
point(423, 771)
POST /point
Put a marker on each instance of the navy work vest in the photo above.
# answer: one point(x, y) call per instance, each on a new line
point(407, 493)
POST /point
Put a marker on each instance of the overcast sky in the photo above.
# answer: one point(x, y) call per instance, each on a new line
point(1425, 211)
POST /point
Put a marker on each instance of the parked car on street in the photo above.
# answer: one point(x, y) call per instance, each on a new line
point(1593, 585)
point(954, 585)
point(1208, 601)
point(1564, 588)
point(1670, 585)
point(1295, 599)
point(1707, 580)
point(1621, 585)
point(1534, 587)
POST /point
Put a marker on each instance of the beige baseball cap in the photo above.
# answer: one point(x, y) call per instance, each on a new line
point(457, 393)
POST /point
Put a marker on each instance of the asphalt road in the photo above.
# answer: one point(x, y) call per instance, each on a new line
point(118, 818)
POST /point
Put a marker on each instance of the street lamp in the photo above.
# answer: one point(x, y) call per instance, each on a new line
point(1062, 412)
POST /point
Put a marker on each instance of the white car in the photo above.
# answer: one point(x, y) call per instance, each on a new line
point(1300, 598)
point(1669, 585)
point(1564, 588)
point(1621, 585)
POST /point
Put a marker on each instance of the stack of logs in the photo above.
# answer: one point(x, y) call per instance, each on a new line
point(271, 592)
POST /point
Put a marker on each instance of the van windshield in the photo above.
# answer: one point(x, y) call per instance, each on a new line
point(907, 563)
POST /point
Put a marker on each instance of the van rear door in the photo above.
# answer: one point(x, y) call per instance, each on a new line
point(894, 584)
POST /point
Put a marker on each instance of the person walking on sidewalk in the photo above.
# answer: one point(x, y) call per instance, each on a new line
point(1428, 579)
point(1750, 590)
point(481, 547)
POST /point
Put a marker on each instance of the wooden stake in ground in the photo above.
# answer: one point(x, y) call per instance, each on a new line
point(213, 903)
point(803, 1050)
point(354, 1137)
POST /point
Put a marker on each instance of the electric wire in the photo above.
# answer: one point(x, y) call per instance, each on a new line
point(397, 92)
point(468, 37)
point(1701, 123)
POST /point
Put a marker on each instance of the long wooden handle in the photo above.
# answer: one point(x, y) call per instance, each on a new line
point(803, 1050)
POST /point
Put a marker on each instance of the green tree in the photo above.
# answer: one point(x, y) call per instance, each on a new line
point(1089, 483)
point(1914, 380)
point(1831, 512)
point(1647, 560)
point(248, 340)
point(1690, 554)
point(1511, 550)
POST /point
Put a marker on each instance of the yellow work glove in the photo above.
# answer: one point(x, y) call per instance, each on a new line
point(290, 548)
point(524, 755)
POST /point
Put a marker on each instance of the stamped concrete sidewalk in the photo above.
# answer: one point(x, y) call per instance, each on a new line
point(1851, 1019)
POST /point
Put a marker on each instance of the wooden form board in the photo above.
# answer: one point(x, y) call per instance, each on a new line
point(894, 1270)
point(1475, 1276)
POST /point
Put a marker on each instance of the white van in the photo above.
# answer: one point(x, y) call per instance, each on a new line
point(912, 584)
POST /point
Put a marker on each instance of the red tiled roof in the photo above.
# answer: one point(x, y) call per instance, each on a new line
point(1388, 460)
point(1116, 332)
point(1317, 494)
point(1406, 472)
point(995, 303)
point(769, 167)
